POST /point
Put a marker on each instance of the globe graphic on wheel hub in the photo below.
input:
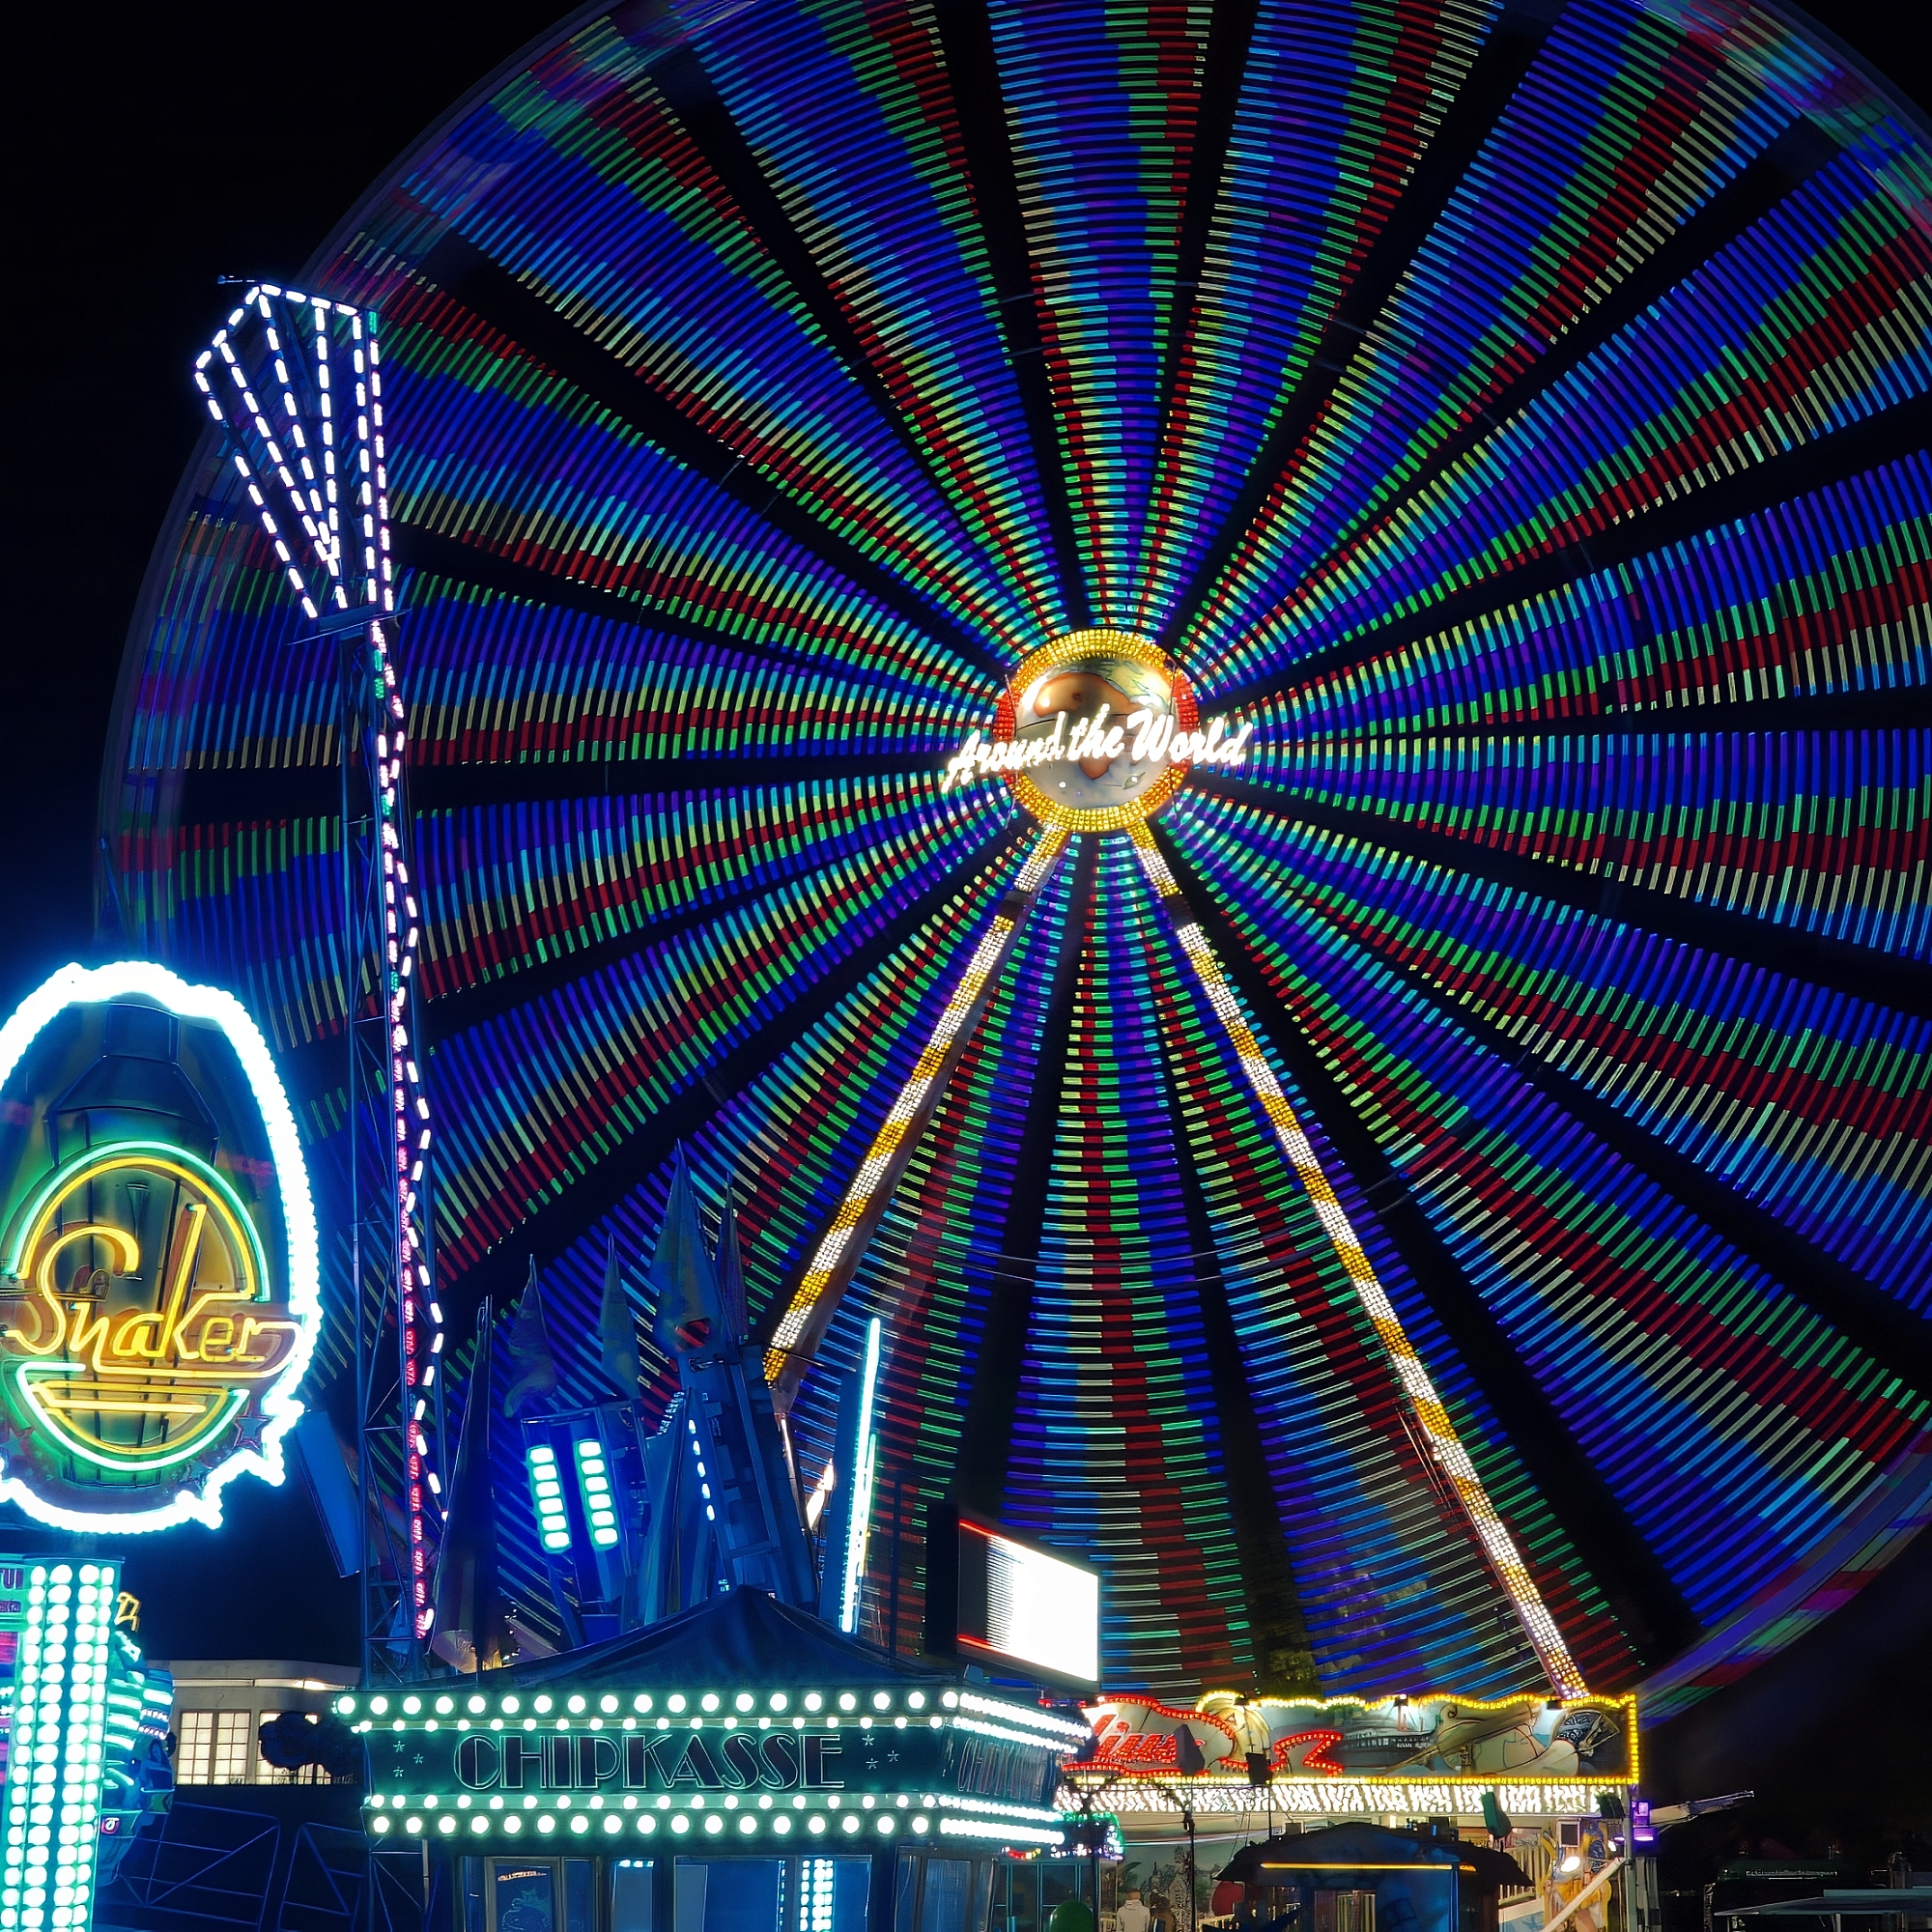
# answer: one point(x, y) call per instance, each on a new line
point(1105, 724)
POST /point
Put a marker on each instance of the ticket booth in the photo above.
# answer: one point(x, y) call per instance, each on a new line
point(1360, 1877)
point(741, 1767)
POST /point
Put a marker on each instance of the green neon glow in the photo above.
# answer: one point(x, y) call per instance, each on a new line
point(63, 1177)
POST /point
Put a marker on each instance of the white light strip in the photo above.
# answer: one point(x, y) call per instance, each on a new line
point(1023, 1834)
point(912, 1099)
point(858, 1528)
point(992, 1808)
point(315, 503)
point(1445, 1445)
point(1046, 1721)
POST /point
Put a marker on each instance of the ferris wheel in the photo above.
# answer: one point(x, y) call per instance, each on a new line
point(1226, 707)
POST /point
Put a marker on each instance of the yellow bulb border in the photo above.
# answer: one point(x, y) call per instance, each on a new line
point(1070, 649)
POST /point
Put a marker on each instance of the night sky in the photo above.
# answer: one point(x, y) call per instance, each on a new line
point(151, 151)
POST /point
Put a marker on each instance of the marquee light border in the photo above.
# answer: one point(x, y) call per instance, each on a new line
point(78, 985)
point(1622, 1704)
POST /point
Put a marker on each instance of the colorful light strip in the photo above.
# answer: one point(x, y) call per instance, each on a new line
point(915, 1098)
point(1539, 1626)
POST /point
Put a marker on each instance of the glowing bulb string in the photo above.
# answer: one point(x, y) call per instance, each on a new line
point(297, 472)
point(843, 1243)
point(1438, 1430)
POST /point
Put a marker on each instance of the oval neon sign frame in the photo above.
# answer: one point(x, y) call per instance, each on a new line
point(81, 985)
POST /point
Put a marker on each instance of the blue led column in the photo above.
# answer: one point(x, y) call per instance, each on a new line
point(850, 1517)
point(60, 1724)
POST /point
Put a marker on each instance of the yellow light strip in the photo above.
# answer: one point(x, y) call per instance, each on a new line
point(1446, 1446)
point(913, 1098)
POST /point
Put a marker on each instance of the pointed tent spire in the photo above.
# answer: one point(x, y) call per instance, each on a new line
point(683, 1284)
point(618, 1329)
point(471, 1629)
point(731, 1274)
point(532, 1366)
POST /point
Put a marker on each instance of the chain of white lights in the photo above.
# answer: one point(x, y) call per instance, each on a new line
point(1351, 1798)
point(1024, 1834)
point(906, 1109)
point(1445, 1445)
point(1057, 1728)
point(60, 1726)
point(315, 500)
point(432, 1820)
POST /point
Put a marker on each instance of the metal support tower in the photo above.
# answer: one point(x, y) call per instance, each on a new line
point(295, 382)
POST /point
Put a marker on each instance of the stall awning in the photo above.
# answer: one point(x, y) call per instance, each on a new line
point(744, 1637)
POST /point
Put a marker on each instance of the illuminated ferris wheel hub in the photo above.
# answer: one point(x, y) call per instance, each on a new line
point(1095, 731)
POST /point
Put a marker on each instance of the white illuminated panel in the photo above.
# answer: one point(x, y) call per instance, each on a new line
point(865, 1454)
point(600, 1504)
point(1041, 1610)
point(53, 1782)
point(546, 1493)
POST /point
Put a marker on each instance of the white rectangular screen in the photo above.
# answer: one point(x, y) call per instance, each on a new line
point(1042, 1611)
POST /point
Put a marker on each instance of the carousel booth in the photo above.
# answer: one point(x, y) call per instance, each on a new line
point(741, 1768)
point(1365, 1878)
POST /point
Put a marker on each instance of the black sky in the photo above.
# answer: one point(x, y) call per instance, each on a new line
point(150, 149)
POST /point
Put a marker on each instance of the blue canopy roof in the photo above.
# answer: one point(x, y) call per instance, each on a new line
point(746, 1637)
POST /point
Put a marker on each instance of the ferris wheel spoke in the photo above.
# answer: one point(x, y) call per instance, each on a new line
point(1514, 42)
point(1444, 1444)
point(1808, 469)
point(811, 1296)
point(1587, 1509)
point(986, 1434)
point(1864, 974)
point(549, 1229)
point(435, 563)
point(1906, 708)
point(1856, 1306)
point(496, 298)
point(980, 114)
point(682, 78)
point(1230, 34)
point(1779, 171)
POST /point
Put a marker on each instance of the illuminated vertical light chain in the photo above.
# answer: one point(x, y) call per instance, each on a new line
point(817, 1878)
point(1445, 1445)
point(60, 1729)
point(864, 1451)
point(884, 1159)
point(323, 500)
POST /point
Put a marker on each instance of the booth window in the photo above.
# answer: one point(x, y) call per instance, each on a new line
point(265, 1772)
point(631, 1881)
point(1024, 1895)
point(1345, 1910)
point(216, 1748)
point(537, 1895)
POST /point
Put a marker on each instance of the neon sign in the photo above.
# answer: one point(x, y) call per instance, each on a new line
point(1141, 737)
point(1095, 732)
point(160, 1297)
